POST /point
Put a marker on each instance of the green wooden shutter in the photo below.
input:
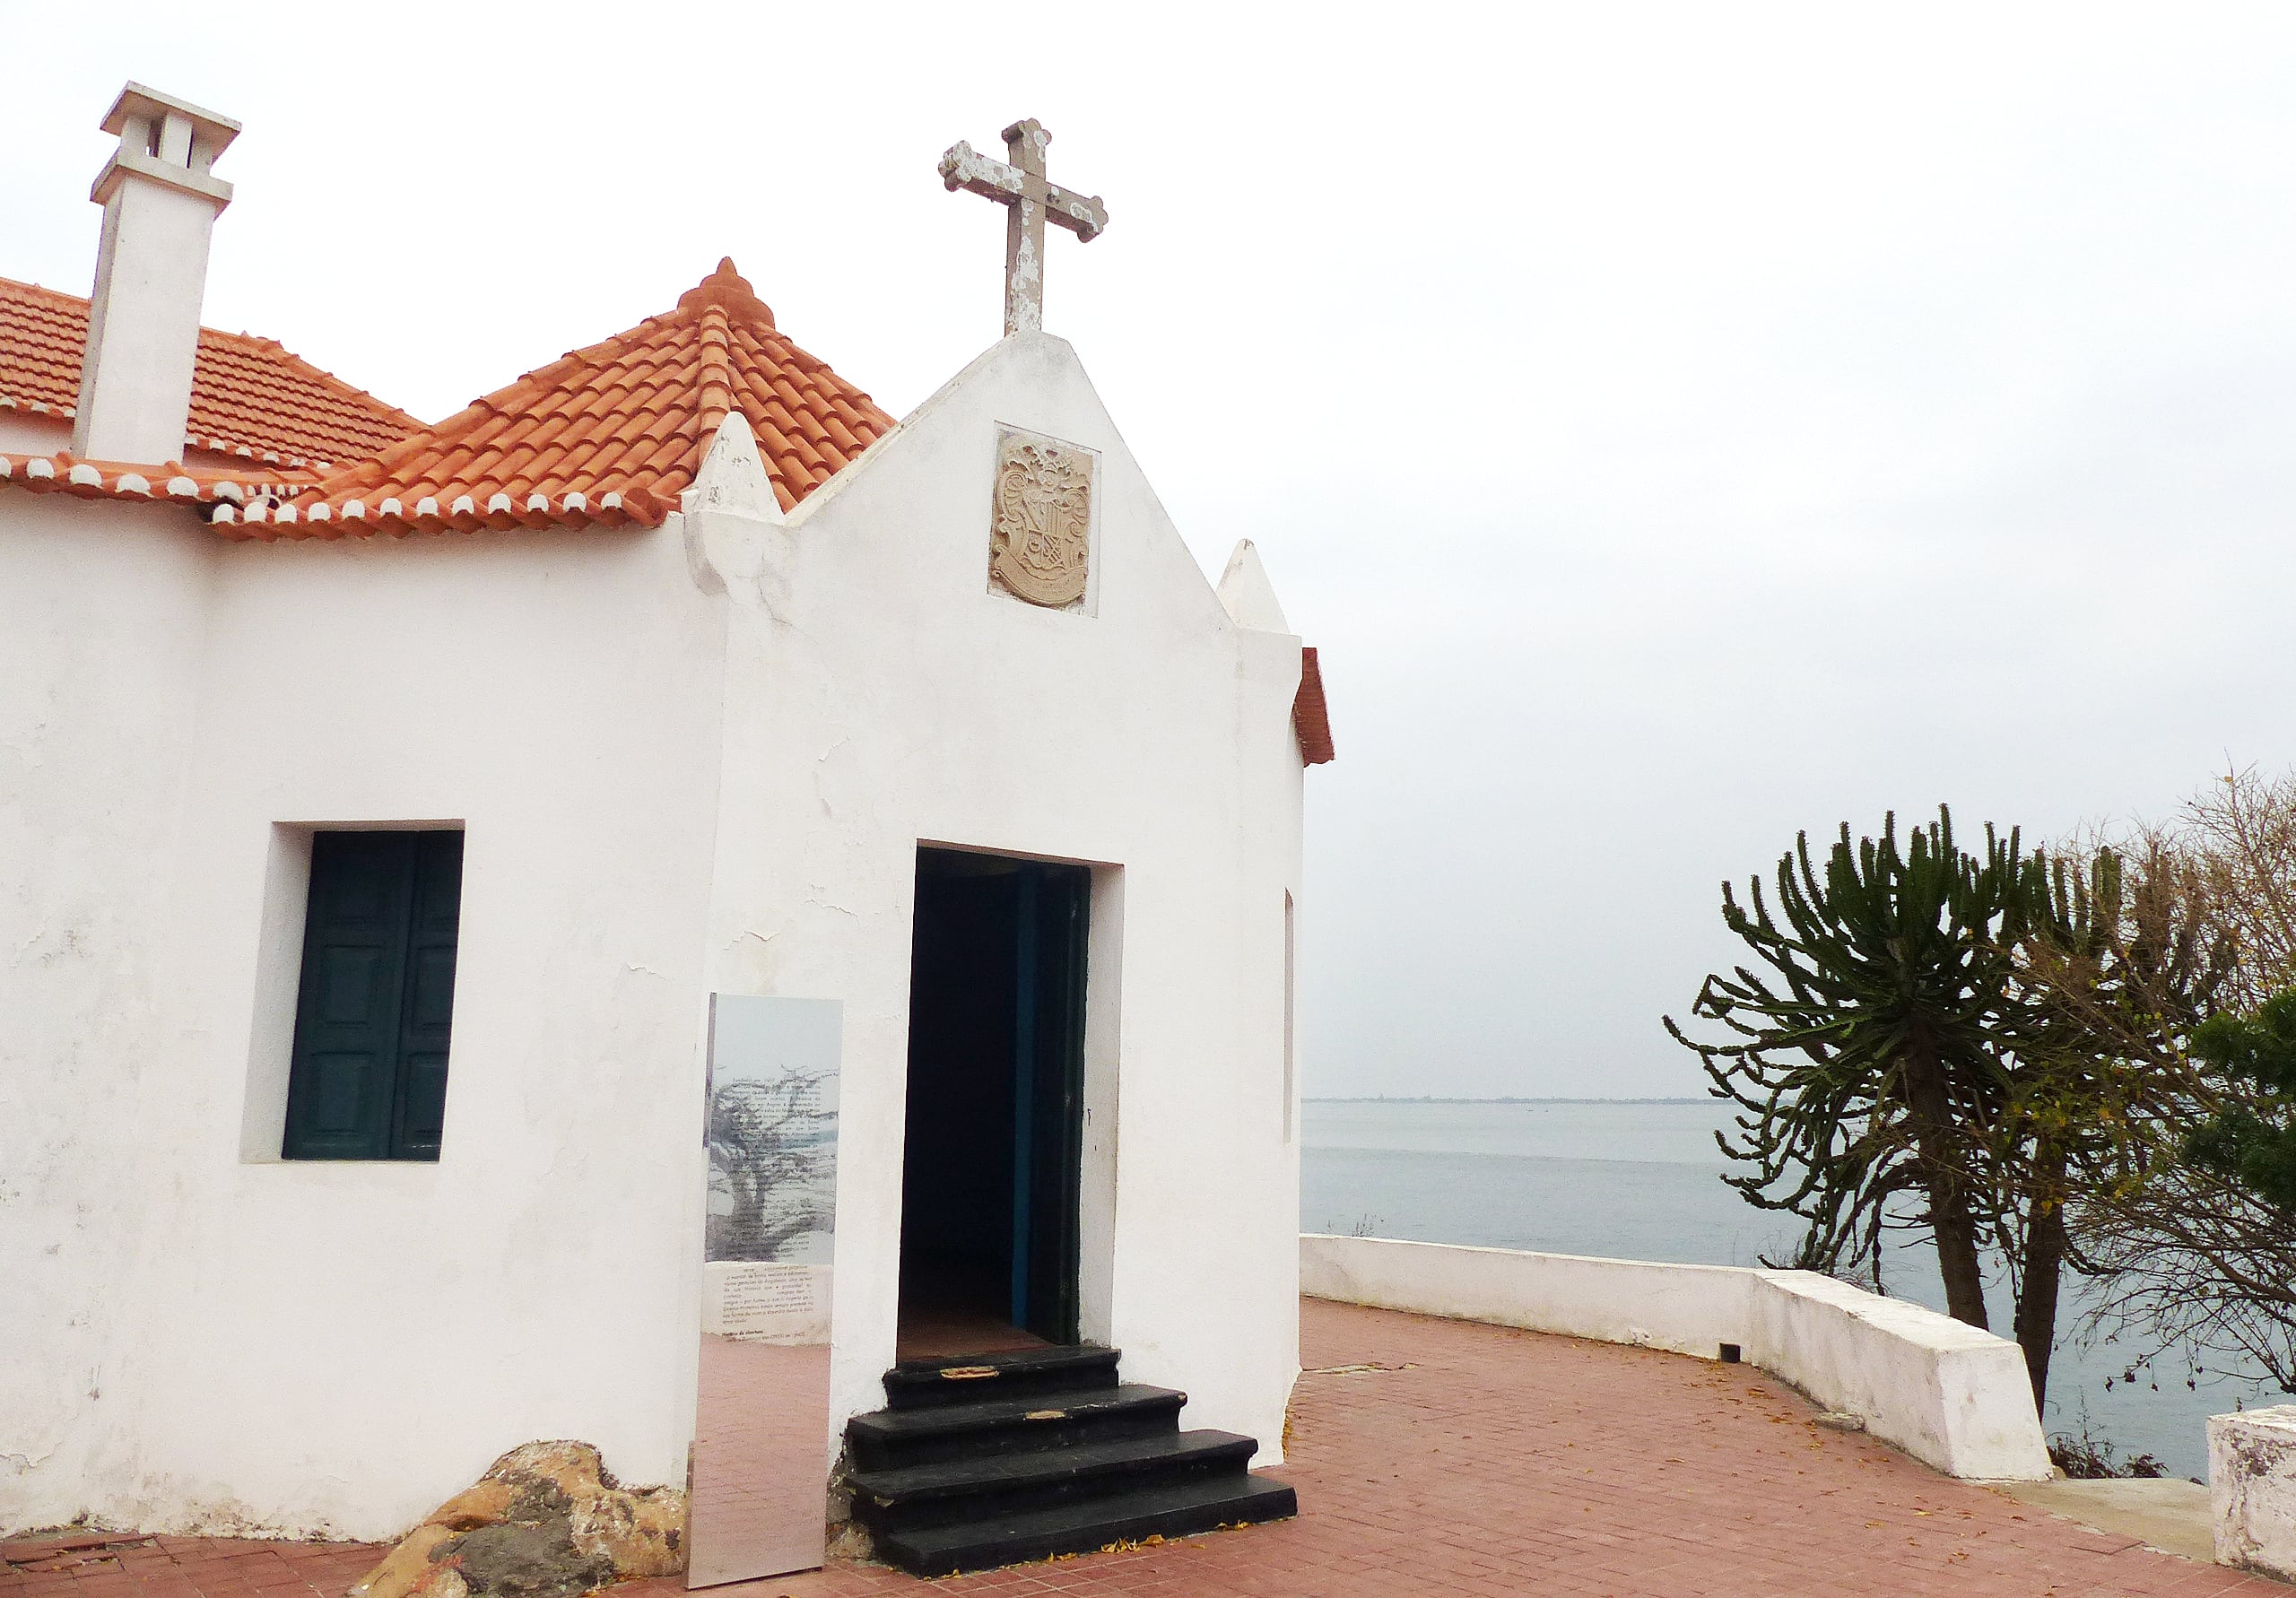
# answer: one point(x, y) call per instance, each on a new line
point(367, 1079)
point(435, 911)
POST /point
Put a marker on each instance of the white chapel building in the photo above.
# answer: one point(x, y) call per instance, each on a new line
point(383, 804)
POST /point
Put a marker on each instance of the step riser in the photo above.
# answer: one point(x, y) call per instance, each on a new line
point(1266, 1501)
point(919, 1384)
point(954, 1474)
point(877, 1453)
point(972, 1507)
point(940, 1392)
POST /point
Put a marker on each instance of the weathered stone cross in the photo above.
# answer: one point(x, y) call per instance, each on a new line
point(1020, 187)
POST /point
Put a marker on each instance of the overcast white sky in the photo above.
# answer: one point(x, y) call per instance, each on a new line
point(1676, 427)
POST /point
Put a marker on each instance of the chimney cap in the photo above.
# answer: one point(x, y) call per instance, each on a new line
point(215, 131)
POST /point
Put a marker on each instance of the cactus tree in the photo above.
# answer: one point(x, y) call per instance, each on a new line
point(1862, 1043)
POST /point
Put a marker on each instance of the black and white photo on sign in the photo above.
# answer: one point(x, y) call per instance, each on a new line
point(772, 1133)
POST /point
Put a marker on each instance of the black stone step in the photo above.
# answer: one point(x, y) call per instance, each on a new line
point(887, 1440)
point(1087, 1524)
point(919, 1384)
point(975, 1488)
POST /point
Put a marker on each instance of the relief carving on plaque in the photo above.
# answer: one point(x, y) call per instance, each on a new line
point(1042, 532)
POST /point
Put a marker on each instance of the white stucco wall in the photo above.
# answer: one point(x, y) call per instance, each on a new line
point(1951, 1395)
point(26, 432)
point(667, 789)
point(320, 1346)
point(886, 697)
point(102, 620)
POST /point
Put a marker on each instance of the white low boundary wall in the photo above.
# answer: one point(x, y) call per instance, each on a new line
point(1949, 1395)
point(2252, 1490)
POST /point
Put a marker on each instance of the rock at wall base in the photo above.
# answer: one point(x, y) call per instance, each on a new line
point(546, 1521)
point(2252, 1490)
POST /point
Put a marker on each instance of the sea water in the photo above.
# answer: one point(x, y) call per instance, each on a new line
point(1643, 1180)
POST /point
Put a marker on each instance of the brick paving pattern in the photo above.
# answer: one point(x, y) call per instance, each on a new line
point(1442, 1457)
point(759, 1457)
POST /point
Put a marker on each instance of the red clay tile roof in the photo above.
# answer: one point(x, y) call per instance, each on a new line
point(606, 435)
point(67, 474)
point(248, 396)
point(1310, 716)
point(610, 434)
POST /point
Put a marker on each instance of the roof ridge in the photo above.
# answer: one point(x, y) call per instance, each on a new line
point(609, 434)
point(713, 388)
point(730, 292)
point(14, 282)
point(714, 305)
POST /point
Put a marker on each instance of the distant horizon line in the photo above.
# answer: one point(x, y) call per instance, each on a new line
point(1498, 1098)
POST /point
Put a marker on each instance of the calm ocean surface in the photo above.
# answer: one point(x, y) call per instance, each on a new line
point(1641, 1180)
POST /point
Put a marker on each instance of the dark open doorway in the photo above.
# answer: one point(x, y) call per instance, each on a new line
point(994, 1130)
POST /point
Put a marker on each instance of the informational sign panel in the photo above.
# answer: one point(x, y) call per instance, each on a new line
point(759, 1503)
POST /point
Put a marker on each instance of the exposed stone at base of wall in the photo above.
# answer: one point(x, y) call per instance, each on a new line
point(546, 1521)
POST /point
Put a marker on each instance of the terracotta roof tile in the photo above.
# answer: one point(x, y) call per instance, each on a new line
point(66, 473)
point(248, 396)
point(1310, 716)
point(607, 435)
point(612, 433)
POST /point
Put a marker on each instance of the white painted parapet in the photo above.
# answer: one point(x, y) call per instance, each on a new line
point(1687, 1309)
point(1953, 1396)
point(2252, 1490)
point(1950, 1394)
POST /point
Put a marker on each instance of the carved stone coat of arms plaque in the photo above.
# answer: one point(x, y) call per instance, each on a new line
point(1041, 537)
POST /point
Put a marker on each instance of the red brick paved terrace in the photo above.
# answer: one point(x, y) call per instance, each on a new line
point(1440, 1456)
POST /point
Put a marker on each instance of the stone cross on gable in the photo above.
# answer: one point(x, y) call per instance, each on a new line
point(1020, 186)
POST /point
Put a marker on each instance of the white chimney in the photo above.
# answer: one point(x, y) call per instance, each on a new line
point(160, 206)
